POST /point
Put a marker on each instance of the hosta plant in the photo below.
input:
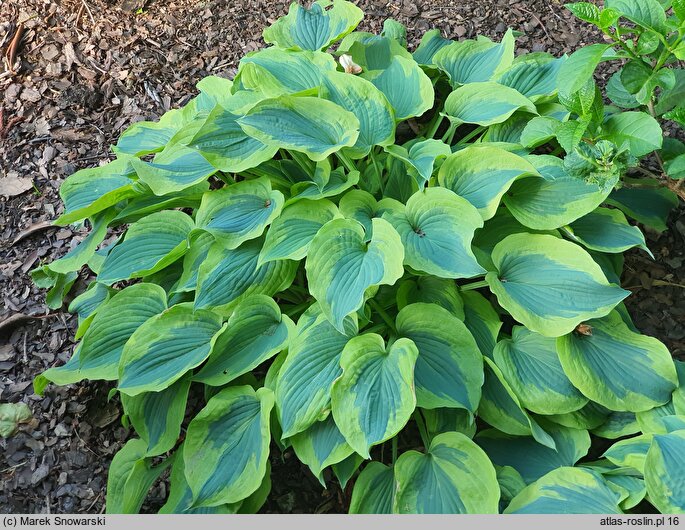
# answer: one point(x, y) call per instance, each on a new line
point(358, 253)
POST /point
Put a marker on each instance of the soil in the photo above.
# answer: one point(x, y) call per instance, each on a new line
point(85, 70)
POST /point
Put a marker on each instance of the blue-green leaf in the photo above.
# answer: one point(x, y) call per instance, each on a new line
point(485, 103)
point(664, 467)
point(374, 490)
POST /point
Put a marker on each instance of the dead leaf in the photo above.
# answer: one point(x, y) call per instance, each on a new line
point(37, 227)
point(11, 415)
point(13, 185)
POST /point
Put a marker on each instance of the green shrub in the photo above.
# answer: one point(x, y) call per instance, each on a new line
point(301, 246)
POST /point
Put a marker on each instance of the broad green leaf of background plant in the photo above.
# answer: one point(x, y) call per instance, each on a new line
point(165, 347)
point(606, 230)
point(449, 368)
point(431, 290)
point(554, 200)
point(500, 407)
point(224, 144)
point(113, 325)
point(471, 61)
point(374, 490)
point(421, 157)
point(316, 127)
point(11, 415)
point(174, 169)
point(530, 365)
point(664, 469)
point(408, 89)
point(292, 231)
point(618, 368)
point(315, 28)
point(579, 68)
point(550, 285)
point(228, 276)
point(485, 103)
point(320, 446)
point(636, 130)
point(436, 227)
point(567, 490)
point(255, 332)
point(152, 243)
point(227, 446)
point(92, 190)
point(373, 398)
point(239, 212)
point(370, 106)
point(454, 476)
point(482, 174)
point(313, 363)
point(531, 459)
point(534, 75)
point(646, 13)
point(157, 416)
point(341, 265)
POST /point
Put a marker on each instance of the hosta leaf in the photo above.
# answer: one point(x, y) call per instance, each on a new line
point(228, 276)
point(590, 416)
point(312, 364)
point(157, 416)
point(421, 157)
point(239, 212)
point(550, 285)
point(579, 67)
point(650, 206)
point(539, 131)
point(92, 190)
point(567, 490)
point(618, 93)
point(449, 368)
point(374, 490)
point(370, 106)
point(606, 230)
point(454, 476)
point(87, 303)
point(145, 137)
point(227, 446)
point(632, 487)
point(436, 228)
point(408, 89)
point(337, 183)
point(79, 255)
point(174, 169)
point(164, 348)
point(482, 175)
point(224, 144)
point(315, 28)
point(361, 206)
point(531, 459)
point(313, 126)
point(256, 331)
point(320, 446)
point(500, 407)
point(448, 419)
point(637, 131)
point(113, 325)
point(530, 364)
point(617, 367)
point(431, 43)
point(341, 265)
point(618, 425)
point(146, 202)
point(533, 75)
point(664, 468)
point(274, 72)
point(431, 290)
point(471, 61)
point(130, 477)
point(344, 470)
point(374, 397)
point(292, 232)
point(149, 245)
point(200, 243)
point(485, 103)
point(631, 452)
point(482, 321)
point(554, 200)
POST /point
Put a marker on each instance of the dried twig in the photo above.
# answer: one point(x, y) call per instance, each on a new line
point(5, 128)
point(13, 49)
point(92, 18)
point(536, 19)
